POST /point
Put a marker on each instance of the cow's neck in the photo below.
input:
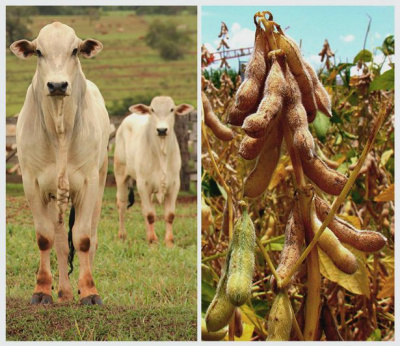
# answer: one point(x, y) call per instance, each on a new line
point(59, 117)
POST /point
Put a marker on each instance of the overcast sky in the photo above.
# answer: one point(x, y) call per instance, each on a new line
point(343, 26)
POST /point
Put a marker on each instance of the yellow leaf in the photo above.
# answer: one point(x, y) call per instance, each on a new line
point(357, 283)
point(280, 172)
point(248, 330)
point(388, 287)
point(352, 220)
point(386, 195)
point(386, 156)
point(250, 318)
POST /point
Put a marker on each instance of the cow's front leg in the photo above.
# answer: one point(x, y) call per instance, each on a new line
point(82, 237)
point(169, 214)
point(61, 246)
point(148, 211)
point(44, 229)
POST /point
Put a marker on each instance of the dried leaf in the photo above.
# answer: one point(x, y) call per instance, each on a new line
point(388, 287)
point(386, 195)
point(280, 173)
point(357, 283)
point(386, 156)
point(248, 330)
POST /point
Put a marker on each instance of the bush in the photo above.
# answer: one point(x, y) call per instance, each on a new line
point(168, 39)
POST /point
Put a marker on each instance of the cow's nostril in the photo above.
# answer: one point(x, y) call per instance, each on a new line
point(64, 86)
point(50, 86)
point(162, 131)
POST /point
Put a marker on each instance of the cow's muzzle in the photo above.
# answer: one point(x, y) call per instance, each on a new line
point(57, 89)
point(162, 131)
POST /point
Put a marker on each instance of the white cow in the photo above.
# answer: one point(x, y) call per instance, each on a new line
point(62, 137)
point(147, 151)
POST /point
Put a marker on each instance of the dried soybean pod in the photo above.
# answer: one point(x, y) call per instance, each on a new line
point(260, 123)
point(260, 177)
point(236, 116)
point(221, 309)
point(280, 318)
point(294, 239)
point(296, 65)
point(367, 241)
point(328, 180)
point(321, 95)
point(211, 120)
point(329, 325)
point(341, 257)
point(211, 336)
point(296, 118)
point(256, 72)
point(250, 147)
point(241, 264)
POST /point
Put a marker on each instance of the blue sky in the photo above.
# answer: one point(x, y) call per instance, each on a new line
point(343, 26)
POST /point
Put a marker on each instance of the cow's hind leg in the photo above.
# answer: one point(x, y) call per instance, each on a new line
point(122, 194)
point(44, 229)
point(169, 214)
point(84, 204)
point(148, 211)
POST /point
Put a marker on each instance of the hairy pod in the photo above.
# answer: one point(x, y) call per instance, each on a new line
point(296, 118)
point(260, 123)
point(280, 318)
point(241, 265)
point(211, 120)
point(211, 336)
point(259, 178)
point(294, 239)
point(296, 65)
point(367, 241)
point(341, 257)
point(250, 147)
point(329, 324)
point(256, 72)
point(221, 309)
point(328, 180)
point(321, 95)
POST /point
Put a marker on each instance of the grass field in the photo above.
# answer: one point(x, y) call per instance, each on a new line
point(149, 292)
point(125, 68)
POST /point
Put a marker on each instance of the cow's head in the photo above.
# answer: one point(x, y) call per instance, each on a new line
point(162, 112)
point(57, 49)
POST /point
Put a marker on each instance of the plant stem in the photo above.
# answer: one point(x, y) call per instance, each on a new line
point(313, 302)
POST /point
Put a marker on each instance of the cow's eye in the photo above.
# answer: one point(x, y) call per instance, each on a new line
point(152, 109)
point(172, 109)
point(75, 52)
point(39, 53)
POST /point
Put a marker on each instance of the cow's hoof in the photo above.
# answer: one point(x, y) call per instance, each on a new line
point(93, 299)
point(169, 243)
point(41, 298)
point(65, 296)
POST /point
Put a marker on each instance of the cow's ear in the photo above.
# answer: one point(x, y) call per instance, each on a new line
point(140, 109)
point(183, 109)
point(23, 48)
point(90, 48)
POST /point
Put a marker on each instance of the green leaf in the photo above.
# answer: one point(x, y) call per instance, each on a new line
point(210, 187)
point(364, 55)
point(383, 82)
point(376, 335)
point(388, 45)
point(321, 125)
point(335, 119)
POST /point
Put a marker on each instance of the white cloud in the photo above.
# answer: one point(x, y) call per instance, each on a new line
point(347, 38)
point(377, 35)
point(314, 60)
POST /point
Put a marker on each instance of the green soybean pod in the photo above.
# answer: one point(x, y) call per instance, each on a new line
point(241, 264)
point(280, 319)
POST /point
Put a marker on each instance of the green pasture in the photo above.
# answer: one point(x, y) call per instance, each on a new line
point(149, 293)
point(125, 68)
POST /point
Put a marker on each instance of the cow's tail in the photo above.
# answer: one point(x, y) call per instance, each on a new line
point(70, 241)
point(131, 197)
